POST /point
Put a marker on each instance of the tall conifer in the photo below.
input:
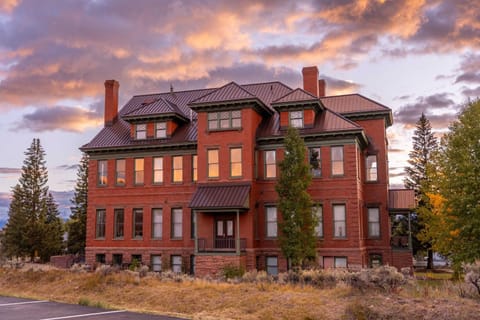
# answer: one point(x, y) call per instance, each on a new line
point(297, 225)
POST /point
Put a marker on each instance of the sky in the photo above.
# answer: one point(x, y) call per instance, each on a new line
point(413, 56)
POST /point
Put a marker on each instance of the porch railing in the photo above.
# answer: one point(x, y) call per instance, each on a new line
point(220, 244)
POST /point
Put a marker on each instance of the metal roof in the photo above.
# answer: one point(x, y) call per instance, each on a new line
point(352, 103)
point(155, 107)
point(229, 92)
point(401, 200)
point(221, 196)
point(296, 95)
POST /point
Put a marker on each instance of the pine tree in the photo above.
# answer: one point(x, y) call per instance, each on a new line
point(77, 224)
point(52, 239)
point(419, 179)
point(24, 231)
point(297, 226)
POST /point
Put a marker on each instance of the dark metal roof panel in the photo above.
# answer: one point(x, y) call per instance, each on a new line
point(268, 92)
point(296, 95)
point(352, 103)
point(221, 196)
point(326, 121)
point(401, 199)
point(229, 92)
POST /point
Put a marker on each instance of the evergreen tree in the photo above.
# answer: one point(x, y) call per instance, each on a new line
point(24, 231)
point(52, 239)
point(77, 224)
point(297, 226)
point(418, 178)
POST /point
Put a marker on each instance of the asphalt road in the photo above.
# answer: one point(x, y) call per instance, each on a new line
point(23, 309)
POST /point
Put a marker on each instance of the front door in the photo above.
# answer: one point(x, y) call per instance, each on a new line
point(224, 234)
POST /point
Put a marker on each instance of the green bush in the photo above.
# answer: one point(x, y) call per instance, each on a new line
point(232, 272)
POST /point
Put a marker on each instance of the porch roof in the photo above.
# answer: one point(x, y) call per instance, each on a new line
point(221, 196)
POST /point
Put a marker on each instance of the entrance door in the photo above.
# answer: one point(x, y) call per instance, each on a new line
point(224, 234)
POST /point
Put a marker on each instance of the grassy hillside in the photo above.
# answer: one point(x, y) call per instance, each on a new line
point(259, 298)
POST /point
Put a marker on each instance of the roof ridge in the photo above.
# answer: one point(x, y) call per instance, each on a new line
point(221, 88)
point(142, 105)
point(292, 92)
point(168, 92)
point(268, 82)
point(343, 118)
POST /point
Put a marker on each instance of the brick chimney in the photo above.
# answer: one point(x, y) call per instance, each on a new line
point(322, 87)
point(310, 80)
point(111, 102)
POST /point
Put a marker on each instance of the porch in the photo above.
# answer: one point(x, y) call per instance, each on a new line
point(220, 244)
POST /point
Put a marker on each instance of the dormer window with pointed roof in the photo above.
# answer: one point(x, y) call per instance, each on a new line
point(140, 131)
point(161, 129)
point(296, 119)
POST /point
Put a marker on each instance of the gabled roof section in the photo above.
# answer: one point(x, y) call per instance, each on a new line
point(229, 94)
point(295, 98)
point(327, 122)
point(221, 196)
point(155, 108)
point(356, 106)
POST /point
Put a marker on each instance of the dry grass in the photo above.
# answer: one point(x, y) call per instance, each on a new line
point(201, 299)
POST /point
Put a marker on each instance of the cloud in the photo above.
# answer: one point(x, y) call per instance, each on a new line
point(68, 167)
point(10, 170)
point(74, 119)
point(471, 93)
point(438, 108)
point(337, 86)
point(7, 6)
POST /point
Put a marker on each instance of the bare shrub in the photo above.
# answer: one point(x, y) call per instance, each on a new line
point(385, 278)
point(472, 275)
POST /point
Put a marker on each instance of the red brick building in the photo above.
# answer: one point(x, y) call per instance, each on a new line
point(185, 180)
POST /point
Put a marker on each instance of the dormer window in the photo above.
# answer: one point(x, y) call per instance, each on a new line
point(141, 131)
point(296, 119)
point(160, 130)
point(224, 120)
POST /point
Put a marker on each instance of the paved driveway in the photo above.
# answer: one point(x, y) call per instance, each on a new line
point(23, 309)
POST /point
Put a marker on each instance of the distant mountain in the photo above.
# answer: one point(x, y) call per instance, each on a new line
point(61, 197)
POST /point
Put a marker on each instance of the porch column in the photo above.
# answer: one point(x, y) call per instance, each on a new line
point(238, 233)
point(195, 230)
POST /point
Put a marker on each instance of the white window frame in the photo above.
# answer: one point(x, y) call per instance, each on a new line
point(157, 223)
point(340, 170)
point(102, 173)
point(158, 170)
point(139, 175)
point(271, 263)
point(373, 218)
point(140, 131)
point(177, 223)
point(271, 222)
point(177, 169)
point(318, 212)
point(176, 261)
point(160, 130)
point(156, 262)
point(371, 167)
point(316, 172)
point(295, 118)
point(237, 165)
point(120, 174)
point(213, 168)
point(339, 223)
point(268, 163)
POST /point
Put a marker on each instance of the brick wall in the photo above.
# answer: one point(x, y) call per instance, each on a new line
point(213, 264)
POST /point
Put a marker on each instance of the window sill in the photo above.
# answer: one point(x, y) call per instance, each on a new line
point(341, 239)
point(137, 238)
point(118, 239)
point(101, 239)
point(176, 239)
point(224, 129)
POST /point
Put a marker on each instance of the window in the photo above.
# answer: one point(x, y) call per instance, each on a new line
point(296, 119)
point(340, 262)
point(102, 172)
point(315, 162)
point(318, 212)
point(272, 266)
point(119, 216)
point(337, 160)
point(271, 218)
point(177, 169)
point(156, 262)
point(372, 168)
point(100, 224)
point(117, 259)
point(213, 163)
point(120, 172)
point(137, 223)
point(160, 130)
point(236, 162)
point(157, 223)
point(139, 174)
point(339, 222)
point(141, 131)
point(177, 264)
point(158, 170)
point(224, 120)
point(136, 259)
point(100, 258)
point(177, 226)
point(270, 164)
point(374, 222)
point(194, 168)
